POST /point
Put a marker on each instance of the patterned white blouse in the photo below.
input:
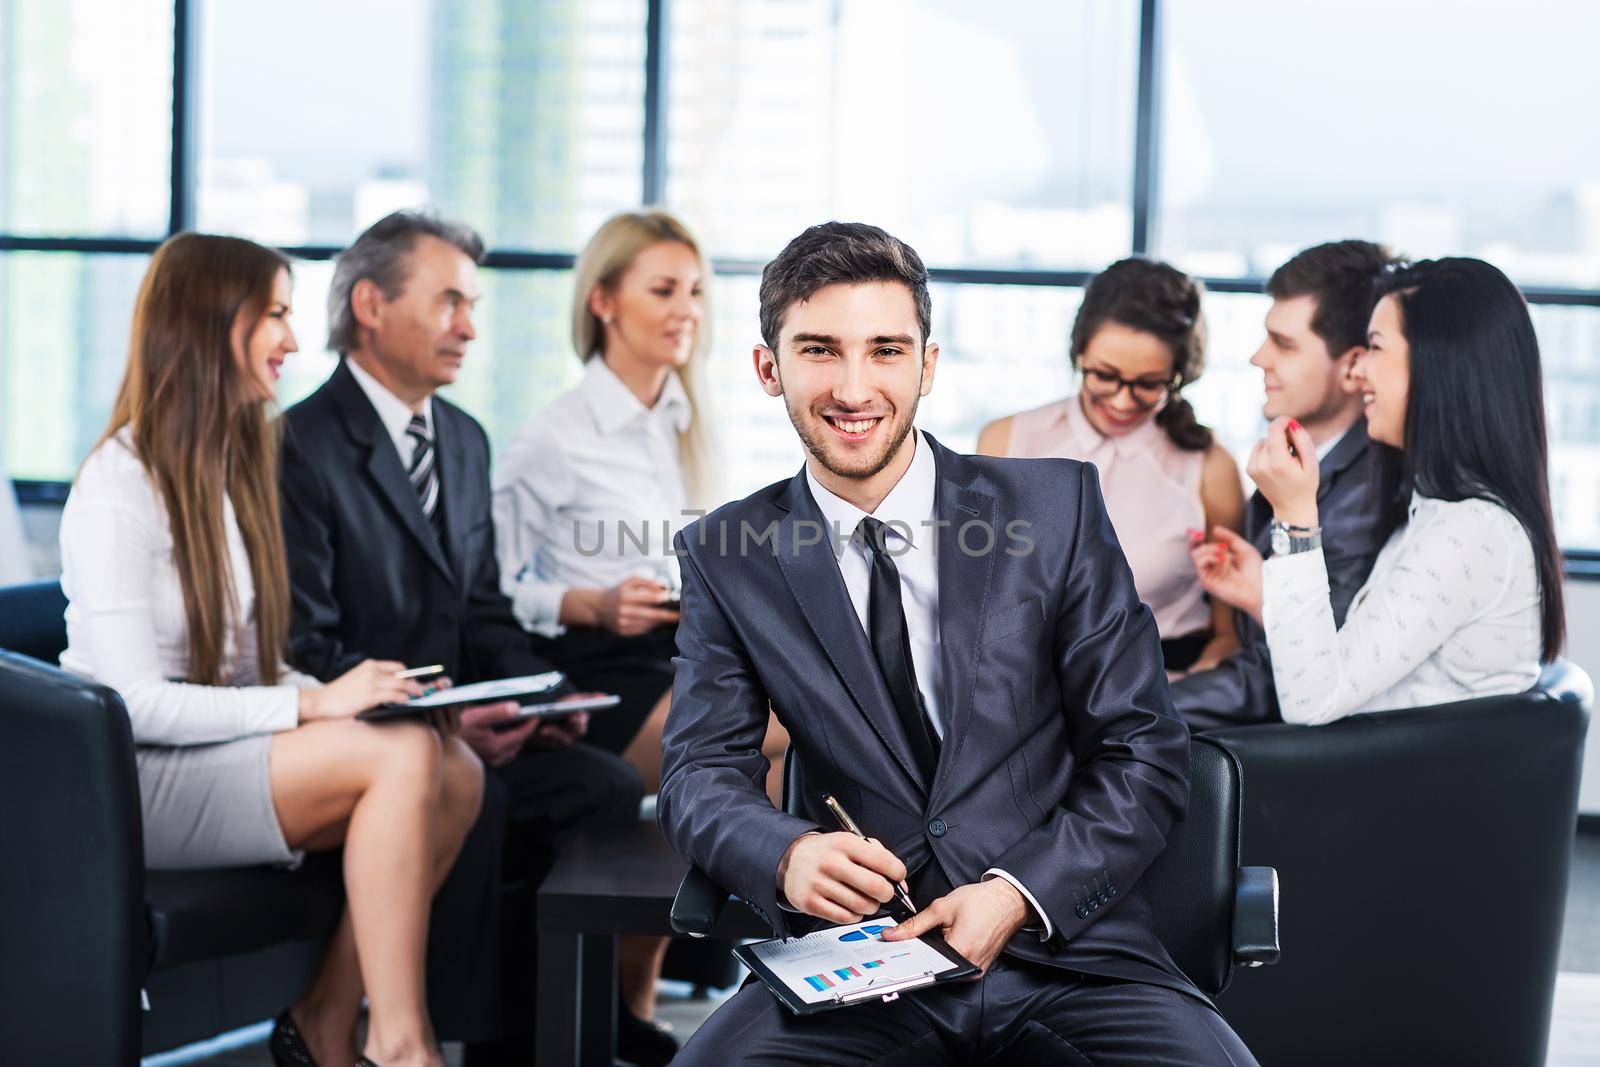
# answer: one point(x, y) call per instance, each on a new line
point(1450, 611)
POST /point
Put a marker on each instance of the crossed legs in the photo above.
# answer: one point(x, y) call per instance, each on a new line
point(400, 799)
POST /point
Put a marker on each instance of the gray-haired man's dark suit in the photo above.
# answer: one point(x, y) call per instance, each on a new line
point(1062, 764)
point(1239, 691)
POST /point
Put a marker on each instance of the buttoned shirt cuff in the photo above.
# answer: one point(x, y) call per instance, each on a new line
point(1044, 931)
point(536, 606)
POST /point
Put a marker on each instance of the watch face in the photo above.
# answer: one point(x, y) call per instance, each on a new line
point(1280, 540)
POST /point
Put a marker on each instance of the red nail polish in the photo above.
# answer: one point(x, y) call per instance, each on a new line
point(1294, 424)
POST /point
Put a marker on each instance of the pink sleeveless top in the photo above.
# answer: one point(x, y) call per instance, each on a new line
point(1152, 492)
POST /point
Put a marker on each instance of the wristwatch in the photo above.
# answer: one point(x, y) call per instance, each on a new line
point(1287, 539)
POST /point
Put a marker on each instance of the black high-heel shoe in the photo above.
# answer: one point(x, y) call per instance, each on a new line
point(288, 1048)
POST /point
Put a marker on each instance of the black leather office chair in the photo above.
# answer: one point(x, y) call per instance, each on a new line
point(1211, 913)
point(1426, 853)
point(83, 926)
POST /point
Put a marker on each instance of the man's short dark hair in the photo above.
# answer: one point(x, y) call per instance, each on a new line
point(1340, 276)
point(833, 253)
point(379, 255)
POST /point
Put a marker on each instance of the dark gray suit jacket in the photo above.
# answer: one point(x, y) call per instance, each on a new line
point(1240, 690)
point(1062, 761)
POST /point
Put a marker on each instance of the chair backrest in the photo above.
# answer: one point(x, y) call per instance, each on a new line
point(31, 619)
point(1190, 886)
point(1424, 855)
point(72, 934)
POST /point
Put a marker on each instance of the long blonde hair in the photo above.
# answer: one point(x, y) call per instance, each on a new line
point(199, 431)
point(604, 260)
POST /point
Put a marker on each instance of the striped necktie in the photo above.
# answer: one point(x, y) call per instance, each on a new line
point(424, 474)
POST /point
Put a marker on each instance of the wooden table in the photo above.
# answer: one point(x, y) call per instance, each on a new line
point(605, 883)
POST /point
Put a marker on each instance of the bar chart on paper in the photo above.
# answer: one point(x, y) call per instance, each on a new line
point(839, 975)
point(831, 963)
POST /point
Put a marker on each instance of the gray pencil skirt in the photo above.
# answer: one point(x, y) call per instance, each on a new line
point(210, 806)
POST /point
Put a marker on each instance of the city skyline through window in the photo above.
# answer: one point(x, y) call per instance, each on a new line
point(994, 139)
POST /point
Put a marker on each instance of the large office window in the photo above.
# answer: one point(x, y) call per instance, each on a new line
point(85, 117)
point(318, 118)
point(68, 314)
point(1018, 146)
point(984, 134)
point(1437, 130)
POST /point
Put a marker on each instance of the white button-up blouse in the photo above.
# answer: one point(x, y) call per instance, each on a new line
point(589, 494)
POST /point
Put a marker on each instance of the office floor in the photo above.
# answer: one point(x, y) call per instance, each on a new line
point(1575, 1030)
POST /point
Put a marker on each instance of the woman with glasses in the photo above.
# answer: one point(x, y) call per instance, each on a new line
point(1138, 339)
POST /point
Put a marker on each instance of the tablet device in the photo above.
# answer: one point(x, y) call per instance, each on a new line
point(523, 688)
point(844, 965)
point(555, 709)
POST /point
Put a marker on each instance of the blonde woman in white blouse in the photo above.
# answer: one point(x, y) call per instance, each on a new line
point(178, 598)
point(588, 496)
point(1464, 600)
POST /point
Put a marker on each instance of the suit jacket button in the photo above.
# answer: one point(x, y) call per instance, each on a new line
point(937, 828)
point(1083, 912)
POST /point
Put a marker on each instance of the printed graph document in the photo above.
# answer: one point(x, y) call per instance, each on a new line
point(850, 965)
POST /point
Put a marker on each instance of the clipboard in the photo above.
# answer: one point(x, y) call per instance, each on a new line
point(843, 959)
point(519, 689)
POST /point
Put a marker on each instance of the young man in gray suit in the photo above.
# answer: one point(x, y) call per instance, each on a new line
point(957, 650)
point(1316, 328)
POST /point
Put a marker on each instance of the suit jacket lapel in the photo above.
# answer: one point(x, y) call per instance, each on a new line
point(383, 464)
point(805, 555)
point(453, 493)
point(964, 581)
point(1349, 449)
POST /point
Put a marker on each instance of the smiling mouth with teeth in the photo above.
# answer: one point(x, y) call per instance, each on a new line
point(853, 425)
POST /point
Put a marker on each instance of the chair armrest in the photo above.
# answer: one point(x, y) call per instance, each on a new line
point(698, 905)
point(1255, 916)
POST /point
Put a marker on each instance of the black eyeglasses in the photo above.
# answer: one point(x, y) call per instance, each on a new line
point(1104, 384)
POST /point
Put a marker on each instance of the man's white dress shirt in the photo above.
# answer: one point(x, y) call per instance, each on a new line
point(393, 412)
point(908, 513)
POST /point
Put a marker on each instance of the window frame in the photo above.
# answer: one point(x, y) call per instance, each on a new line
point(1580, 563)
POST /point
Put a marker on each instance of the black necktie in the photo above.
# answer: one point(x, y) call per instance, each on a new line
point(891, 646)
point(424, 474)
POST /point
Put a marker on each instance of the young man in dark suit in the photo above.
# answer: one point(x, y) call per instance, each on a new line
point(957, 650)
point(386, 507)
point(1316, 328)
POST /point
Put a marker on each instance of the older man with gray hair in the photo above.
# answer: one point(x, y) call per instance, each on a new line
point(386, 512)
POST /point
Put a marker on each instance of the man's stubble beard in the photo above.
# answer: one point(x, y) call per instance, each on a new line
point(820, 453)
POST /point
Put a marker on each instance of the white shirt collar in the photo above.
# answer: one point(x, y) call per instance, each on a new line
point(392, 411)
point(907, 509)
point(614, 404)
point(1330, 444)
